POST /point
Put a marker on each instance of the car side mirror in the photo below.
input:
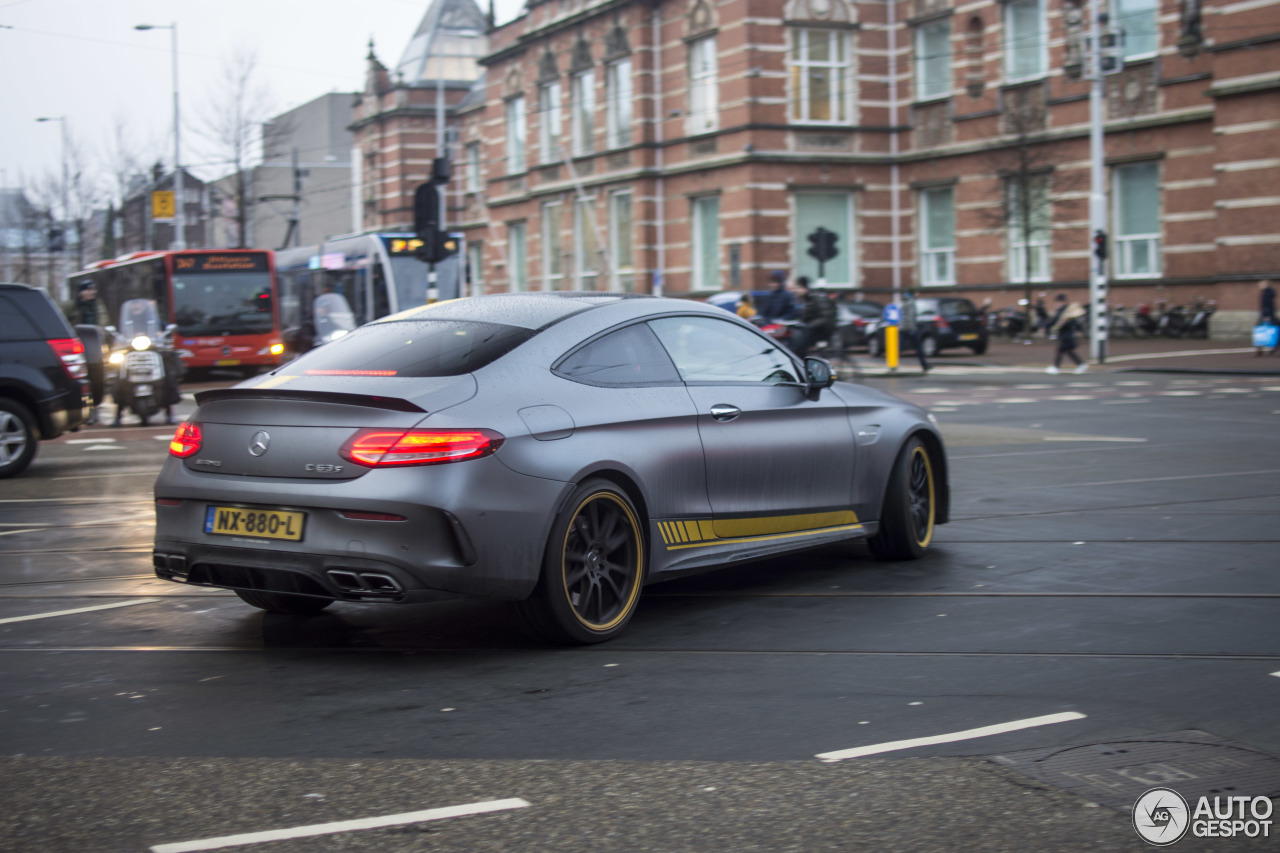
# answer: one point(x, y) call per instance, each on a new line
point(820, 373)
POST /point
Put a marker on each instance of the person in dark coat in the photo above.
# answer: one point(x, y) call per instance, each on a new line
point(777, 304)
point(1266, 310)
point(1066, 326)
point(817, 318)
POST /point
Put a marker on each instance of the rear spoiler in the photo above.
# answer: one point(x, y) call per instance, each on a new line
point(368, 401)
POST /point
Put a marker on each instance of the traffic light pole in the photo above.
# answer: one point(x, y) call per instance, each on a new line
point(1097, 192)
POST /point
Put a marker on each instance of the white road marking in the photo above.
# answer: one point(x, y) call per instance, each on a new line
point(970, 734)
point(1093, 438)
point(340, 826)
point(148, 473)
point(23, 530)
point(77, 610)
point(1276, 674)
point(104, 447)
point(90, 441)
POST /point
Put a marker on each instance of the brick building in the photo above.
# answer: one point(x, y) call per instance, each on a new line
point(689, 146)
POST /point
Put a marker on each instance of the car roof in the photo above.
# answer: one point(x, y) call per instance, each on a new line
point(522, 310)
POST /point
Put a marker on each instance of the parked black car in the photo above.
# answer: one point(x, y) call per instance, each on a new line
point(944, 323)
point(44, 376)
point(854, 322)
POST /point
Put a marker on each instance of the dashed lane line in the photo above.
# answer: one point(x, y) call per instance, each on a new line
point(341, 826)
point(968, 734)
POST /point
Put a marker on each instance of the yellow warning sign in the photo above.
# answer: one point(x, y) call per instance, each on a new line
point(162, 206)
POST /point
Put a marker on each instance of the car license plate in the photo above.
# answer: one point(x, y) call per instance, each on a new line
point(972, 336)
point(227, 362)
point(142, 391)
point(262, 523)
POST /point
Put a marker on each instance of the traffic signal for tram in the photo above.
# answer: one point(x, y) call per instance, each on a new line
point(822, 245)
point(1100, 245)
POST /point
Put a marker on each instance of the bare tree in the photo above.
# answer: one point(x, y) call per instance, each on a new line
point(1029, 188)
point(125, 161)
point(231, 124)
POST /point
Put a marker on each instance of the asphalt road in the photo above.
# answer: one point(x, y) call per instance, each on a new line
point(1098, 619)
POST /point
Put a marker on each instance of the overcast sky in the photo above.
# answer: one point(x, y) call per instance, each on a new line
point(83, 59)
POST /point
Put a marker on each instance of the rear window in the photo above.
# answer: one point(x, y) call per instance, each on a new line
point(412, 348)
point(957, 307)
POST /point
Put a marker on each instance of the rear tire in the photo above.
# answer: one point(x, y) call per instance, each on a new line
point(592, 570)
point(929, 346)
point(18, 438)
point(283, 602)
point(910, 506)
point(875, 346)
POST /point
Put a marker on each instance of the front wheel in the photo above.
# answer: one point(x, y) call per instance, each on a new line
point(592, 571)
point(283, 602)
point(910, 506)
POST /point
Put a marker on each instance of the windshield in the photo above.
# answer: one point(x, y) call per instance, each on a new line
point(139, 317)
point(225, 303)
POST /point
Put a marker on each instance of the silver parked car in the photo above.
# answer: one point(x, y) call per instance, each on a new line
point(559, 450)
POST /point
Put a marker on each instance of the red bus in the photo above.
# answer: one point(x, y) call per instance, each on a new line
point(223, 302)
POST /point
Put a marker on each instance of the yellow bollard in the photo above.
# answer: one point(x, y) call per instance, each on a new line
point(891, 347)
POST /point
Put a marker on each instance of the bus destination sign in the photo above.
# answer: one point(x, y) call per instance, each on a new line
point(221, 262)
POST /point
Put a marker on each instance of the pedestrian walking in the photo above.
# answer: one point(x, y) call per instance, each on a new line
point(909, 327)
point(1265, 335)
point(1066, 325)
point(86, 307)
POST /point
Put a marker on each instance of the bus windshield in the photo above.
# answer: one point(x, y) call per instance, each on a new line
point(223, 303)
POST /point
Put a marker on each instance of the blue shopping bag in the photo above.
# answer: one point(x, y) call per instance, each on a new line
point(1266, 336)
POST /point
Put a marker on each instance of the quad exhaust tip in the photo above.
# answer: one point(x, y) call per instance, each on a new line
point(365, 583)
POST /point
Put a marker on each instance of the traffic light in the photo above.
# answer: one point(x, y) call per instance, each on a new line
point(1100, 245)
point(436, 243)
point(57, 241)
point(822, 245)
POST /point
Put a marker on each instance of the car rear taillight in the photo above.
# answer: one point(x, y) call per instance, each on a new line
point(71, 352)
point(387, 448)
point(942, 324)
point(187, 439)
point(858, 322)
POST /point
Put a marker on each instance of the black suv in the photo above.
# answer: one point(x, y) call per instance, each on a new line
point(44, 376)
point(943, 322)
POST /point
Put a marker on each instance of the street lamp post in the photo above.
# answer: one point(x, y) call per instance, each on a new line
point(179, 219)
point(61, 288)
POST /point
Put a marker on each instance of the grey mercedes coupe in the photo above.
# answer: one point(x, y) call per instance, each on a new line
point(558, 450)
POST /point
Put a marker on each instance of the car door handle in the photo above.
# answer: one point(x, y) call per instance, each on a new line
point(724, 412)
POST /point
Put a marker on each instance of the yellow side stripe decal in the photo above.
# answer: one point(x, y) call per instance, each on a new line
point(695, 533)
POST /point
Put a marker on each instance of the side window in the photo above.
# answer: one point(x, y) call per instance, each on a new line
point(14, 325)
point(630, 356)
point(705, 349)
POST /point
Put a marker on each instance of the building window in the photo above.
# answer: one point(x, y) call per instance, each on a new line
point(475, 267)
point(1029, 245)
point(1025, 40)
point(618, 104)
point(621, 250)
point(582, 108)
point(516, 275)
point(549, 122)
point(552, 256)
point(515, 135)
point(937, 237)
point(703, 96)
point(933, 60)
point(585, 248)
point(1137, 221)
point(1138, 20)
point(473, 167)
point(706, 243)
point(820, 74)
point(834, 212)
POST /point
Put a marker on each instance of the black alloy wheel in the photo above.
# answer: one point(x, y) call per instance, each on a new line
point(910, 506)
point(593, 569)
point(17, 438)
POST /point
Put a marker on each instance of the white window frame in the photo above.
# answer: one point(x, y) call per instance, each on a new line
point(475, 264)
point(702, 250)
point(839, 71)
point(931, 61)
point(1020, 44)
point(474, 183)
point(582, 107)
point(1041, 238)
point(586, 248)
point(704, 91)
point(517, 253)
point(552, 225)
point(621, 238)
point(937, 263)
point(618, 95)
point(1132, 21)
point(1126, 247)
point(550, 126)
point(516, 129)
